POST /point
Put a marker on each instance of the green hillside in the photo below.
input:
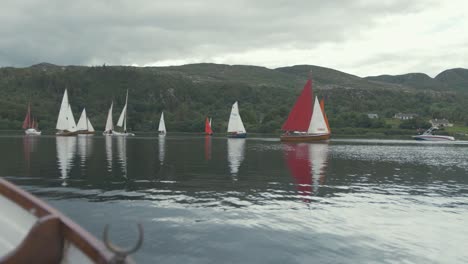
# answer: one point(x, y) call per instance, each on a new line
point(189, 93)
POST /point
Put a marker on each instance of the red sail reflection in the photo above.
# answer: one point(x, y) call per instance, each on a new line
point(207, 147)
point(307, 164)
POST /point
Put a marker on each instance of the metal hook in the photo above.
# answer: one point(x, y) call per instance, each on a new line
point(121, 254)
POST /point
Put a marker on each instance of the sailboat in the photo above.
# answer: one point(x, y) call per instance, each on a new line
point(30, 125)
point(307, 120)
point(122, 122)
point(236, 128)
point(66, 125)
point(162, 125)
point(108, 130)
point(208, 130)
point(84, 126)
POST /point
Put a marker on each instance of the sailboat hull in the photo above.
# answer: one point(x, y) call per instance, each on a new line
point(85, 132)
point(32, 132)
point(237, 135)
point(66, 133)
point(304, 137)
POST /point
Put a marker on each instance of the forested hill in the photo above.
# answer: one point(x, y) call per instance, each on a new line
point(189, 93)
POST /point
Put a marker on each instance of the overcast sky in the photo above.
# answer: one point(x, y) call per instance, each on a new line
point(364, 37)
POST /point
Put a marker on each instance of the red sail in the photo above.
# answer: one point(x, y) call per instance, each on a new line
point(27, 119)
point(208, 129)
point(322, 105)
point(301, 113)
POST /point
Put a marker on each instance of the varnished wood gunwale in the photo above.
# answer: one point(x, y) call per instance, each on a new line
point(84, 241)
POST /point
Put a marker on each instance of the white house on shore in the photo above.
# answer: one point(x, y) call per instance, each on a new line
point(403, 116)
point(440, 123)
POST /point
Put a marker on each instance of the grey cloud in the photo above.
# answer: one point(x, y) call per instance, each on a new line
point(124, 32)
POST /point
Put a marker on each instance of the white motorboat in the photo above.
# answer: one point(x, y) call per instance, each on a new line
point(429, 136)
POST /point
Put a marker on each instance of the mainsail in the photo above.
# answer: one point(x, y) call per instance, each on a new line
point(208, 129)
point(300, 116)
point(109, 123)
point(65, 120)
point(62, 122)
point(235, 121)
point(122, 122)
point(27, 119)
point(162, 124)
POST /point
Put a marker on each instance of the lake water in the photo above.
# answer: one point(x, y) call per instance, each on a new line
point(255, 200)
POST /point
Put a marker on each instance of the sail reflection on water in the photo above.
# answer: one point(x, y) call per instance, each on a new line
point(122, 153)
point(207, 147)
point(85, 144)
point(162, 149)
point(66, 150)
point(108, 142)
point(307, 164)
point(236, 153)
point(29, 146)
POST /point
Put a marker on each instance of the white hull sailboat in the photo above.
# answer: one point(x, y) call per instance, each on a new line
point(236, 127)
point(66, 125)
point(30, 124)
point(84, 126)
point(162, 126)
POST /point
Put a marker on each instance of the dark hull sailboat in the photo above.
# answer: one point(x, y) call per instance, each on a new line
point(307, 121)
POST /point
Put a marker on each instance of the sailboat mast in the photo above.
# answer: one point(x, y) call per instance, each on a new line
point(126, 109)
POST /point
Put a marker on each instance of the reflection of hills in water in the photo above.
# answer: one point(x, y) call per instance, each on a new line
point(235, 155)
point(66, 150)
point(162, 149)
point(307, 163)
point(85, 148)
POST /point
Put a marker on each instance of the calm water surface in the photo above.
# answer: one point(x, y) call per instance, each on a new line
point(255, 200)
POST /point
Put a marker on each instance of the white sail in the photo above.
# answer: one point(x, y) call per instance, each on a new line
point(62, 123)
point(317, 122)
point(90, 126)
point(82, 122)
point(210, 122)
point(109, 123)
point(70, 119)
point(162, 124)
point(236, 149)
point(235, 121)
point(122, 122)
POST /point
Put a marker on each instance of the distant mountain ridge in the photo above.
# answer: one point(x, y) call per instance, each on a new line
point(189, 93)
point(452, 79)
